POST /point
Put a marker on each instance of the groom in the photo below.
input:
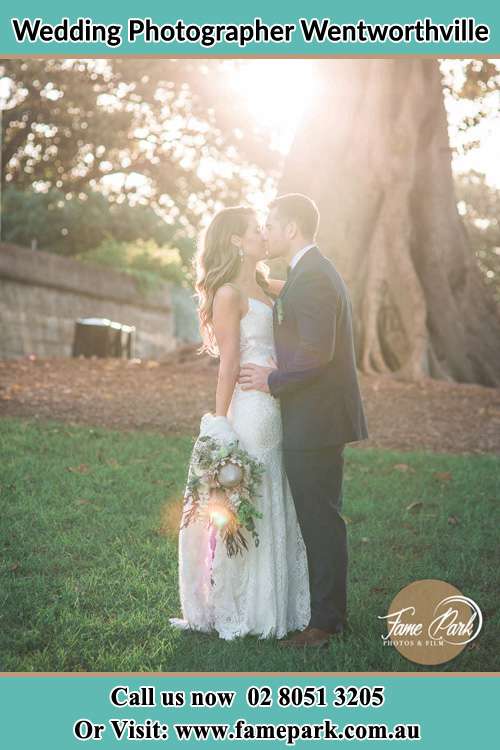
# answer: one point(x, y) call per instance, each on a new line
point(317, 385)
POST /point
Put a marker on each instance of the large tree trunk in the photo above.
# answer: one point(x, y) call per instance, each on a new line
point(373, 152)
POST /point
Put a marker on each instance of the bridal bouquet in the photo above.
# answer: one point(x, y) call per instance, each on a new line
point(222, 482)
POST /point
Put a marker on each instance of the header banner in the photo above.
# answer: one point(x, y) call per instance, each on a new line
point(221, 29)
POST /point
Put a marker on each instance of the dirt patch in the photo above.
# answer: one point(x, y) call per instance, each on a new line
point(170, 397)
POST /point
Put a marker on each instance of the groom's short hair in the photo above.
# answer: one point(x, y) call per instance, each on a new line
point(299, 208)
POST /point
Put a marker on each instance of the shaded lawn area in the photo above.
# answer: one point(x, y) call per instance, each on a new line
point(88, 541)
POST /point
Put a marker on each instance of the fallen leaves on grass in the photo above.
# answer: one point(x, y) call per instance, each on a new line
point(81, 469)
point(404, 467)
point(416, 505)
point(88, 504)
point(443, 476)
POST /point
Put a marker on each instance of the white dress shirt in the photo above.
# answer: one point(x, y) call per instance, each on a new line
point(299, 255)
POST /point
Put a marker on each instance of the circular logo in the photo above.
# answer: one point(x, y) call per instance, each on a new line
point(431, 622)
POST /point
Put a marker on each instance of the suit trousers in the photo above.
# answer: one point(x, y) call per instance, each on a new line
point(315, 478)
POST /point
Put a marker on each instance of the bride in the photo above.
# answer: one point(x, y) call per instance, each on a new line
point(265, 590)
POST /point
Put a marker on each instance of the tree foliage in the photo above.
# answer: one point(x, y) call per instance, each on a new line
point(479, 205)
point(146, 261)
point(75, 224)
point(471, 89)
point(161, 131)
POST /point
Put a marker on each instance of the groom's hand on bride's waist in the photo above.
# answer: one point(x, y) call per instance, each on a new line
point(254, 377)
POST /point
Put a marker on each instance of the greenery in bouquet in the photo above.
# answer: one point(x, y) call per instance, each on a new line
point(223, 483)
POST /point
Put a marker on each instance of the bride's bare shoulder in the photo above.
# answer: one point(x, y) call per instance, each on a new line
point(227, 298)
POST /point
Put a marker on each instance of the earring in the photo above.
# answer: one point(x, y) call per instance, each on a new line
point(241, 254)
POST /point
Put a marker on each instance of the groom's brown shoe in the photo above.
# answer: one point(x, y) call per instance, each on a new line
point(314, 637)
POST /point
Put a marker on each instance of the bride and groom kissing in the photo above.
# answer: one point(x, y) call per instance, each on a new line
point(288, 391)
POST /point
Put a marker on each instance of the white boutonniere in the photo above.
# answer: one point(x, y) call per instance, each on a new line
point(279, 311)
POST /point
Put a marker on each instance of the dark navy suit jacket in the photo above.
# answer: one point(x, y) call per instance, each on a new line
point(316, 380)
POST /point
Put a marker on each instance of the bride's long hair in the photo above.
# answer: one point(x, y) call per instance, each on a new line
point(217, 262)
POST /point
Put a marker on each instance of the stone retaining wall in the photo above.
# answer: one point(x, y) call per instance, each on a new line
point(42, 294)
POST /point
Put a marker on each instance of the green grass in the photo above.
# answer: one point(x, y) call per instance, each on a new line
point(88, 568)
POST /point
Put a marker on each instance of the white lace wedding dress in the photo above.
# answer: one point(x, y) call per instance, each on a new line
point(264, 591)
